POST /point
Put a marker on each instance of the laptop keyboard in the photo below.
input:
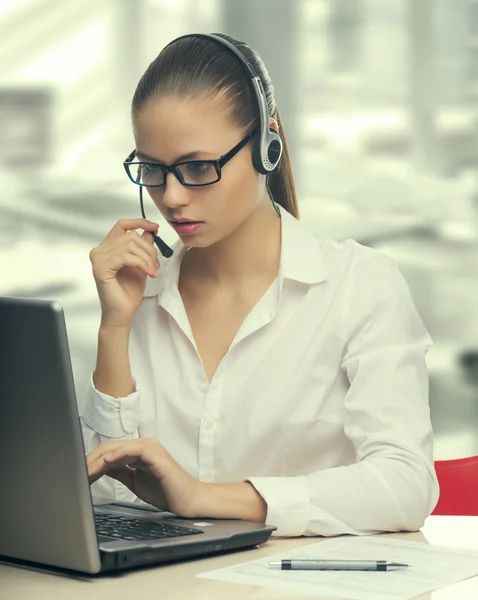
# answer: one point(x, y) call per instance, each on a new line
point(127, 528)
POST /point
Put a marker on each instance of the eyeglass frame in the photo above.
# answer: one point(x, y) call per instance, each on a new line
point(218, 164)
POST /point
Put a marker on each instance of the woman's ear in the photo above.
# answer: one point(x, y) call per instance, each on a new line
point(273, 124)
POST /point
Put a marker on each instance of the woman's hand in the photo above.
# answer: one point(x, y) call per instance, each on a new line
point(120, 266)
point(150, 472)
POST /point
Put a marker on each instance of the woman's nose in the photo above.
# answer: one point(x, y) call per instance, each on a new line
point(175, 194)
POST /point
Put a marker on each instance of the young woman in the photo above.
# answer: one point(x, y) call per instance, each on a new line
point(264, 373)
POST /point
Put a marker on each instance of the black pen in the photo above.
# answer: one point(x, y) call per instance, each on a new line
point(335, 565)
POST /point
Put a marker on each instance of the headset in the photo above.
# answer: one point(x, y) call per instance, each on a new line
point(266, 148)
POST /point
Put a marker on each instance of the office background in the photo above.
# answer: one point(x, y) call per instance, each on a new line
point(379, 103)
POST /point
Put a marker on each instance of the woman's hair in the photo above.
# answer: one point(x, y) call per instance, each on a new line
point(192, 66)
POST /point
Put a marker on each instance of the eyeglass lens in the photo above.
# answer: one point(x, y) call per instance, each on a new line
point(191, 173)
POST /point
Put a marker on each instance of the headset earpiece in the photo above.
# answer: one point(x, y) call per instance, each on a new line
point(267, 146)
point(266, 160)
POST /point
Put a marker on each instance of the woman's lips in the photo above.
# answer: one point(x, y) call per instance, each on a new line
point(186, 227)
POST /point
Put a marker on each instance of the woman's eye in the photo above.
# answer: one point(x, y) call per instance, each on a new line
point(197, 168)
point(151, 168)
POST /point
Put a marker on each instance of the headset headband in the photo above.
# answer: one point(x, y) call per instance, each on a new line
point(267, 151)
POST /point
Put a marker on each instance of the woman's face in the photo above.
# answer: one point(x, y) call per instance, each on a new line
point(173, 129)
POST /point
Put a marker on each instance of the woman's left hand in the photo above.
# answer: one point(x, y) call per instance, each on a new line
point(150, 472)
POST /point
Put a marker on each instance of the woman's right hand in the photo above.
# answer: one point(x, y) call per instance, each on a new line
point(121, 264)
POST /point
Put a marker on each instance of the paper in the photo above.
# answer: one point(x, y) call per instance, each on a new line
point(431, 567)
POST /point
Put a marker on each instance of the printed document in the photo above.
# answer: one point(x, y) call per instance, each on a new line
point(432, 567)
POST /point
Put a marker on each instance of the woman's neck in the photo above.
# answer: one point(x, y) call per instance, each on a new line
point(252, 251)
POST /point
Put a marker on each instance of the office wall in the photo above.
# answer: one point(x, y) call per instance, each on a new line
point(379, 104)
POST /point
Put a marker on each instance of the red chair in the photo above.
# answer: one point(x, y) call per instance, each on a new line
point(458, 479)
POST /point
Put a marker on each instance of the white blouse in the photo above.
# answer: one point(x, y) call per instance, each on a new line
point(321, 401)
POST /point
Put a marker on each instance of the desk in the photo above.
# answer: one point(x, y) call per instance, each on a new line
point(177, 581)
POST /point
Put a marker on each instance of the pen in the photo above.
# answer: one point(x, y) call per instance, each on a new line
point(335, 565)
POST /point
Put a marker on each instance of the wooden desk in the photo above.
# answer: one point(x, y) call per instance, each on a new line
point(178, 581)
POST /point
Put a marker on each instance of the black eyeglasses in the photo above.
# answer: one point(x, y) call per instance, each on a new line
point(193, 173)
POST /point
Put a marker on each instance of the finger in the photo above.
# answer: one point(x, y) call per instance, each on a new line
point(116, 260)
point(97, 467)
point(109, 448)
point(147, 450)
point(102, 449)
point(131, 260)
point(147, 237)
point(143, 242)
point(124, 475)
point(100, 467)
point(131, 447)
point(96, 470)
point(119, 460)
point(134, 245)
point(124, 225)
point(95, 463)
point(122, 457)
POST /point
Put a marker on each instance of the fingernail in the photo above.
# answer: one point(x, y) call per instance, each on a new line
point(109, 455)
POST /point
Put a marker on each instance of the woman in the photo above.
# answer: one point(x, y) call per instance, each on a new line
point(263, 374)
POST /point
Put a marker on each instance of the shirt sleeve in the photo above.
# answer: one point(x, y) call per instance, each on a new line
point(392, 486)
point(111, 417)
point(105, 418)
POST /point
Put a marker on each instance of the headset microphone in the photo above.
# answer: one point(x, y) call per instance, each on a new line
point(165, 250)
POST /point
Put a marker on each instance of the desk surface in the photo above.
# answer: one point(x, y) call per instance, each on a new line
point(179, 580)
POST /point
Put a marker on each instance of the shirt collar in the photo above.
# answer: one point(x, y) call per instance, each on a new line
point(301, 258)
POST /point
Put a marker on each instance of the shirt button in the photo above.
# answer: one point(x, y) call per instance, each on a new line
point(208, 424)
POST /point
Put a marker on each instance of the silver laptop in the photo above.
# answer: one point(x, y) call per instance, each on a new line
point(47, 514)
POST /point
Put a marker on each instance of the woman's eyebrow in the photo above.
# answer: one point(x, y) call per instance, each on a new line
point(188, 156)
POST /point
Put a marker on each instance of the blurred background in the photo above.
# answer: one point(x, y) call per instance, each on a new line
point(379, 103)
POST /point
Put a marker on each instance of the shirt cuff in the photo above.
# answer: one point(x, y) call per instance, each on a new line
point(112, 417)
point(288, 503)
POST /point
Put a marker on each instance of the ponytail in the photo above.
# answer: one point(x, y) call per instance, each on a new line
point(281, 180)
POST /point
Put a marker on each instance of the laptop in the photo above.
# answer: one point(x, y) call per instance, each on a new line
point(47, 513)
